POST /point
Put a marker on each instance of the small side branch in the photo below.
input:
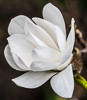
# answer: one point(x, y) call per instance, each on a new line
point(81, 40)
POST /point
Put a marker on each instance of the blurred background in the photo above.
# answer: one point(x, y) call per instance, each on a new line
point(33, 8)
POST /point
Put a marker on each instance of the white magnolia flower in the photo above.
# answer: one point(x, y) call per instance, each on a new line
point(41, 48)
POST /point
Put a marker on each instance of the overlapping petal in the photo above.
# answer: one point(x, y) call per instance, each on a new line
point(19, 44)
point(66, 56)
point(16, 25)
point(61, 40)
point(71, 36)
point(69, 48)
point(10, 60)
point(46, 54)
point(20, 62)
point(63, 65)
point(47, 26)
point(36, 41)
point(33, 79)
point(39, 33)
point(21, 48)
point(43, 65)
point(63, 83)
point(53, 14)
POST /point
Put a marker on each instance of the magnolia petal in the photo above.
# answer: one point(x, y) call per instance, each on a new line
point(47, 26)
point(19, 62)
point(10, 60)
point(22, 49)
point(39, 33)
point(65, 57)
point(36, 41)
point(71, 36)
point(23, 58)
point(28, 25)
point(53, 14)
point(46, 54)
point(63, 83)
point(65, 64)
point(16, 25)
point(33, 79)
point(26, 58)
point(43, 65)
point(19, 44)
point(61, 40)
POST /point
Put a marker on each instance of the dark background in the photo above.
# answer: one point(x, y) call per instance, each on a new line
point(32, 8)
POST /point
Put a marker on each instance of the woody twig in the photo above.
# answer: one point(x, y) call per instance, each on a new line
point(82, 41)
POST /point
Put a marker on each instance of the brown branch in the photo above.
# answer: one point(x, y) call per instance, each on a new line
point(82, 41)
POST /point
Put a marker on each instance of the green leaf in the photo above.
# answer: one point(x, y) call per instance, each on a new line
point(80, 81)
